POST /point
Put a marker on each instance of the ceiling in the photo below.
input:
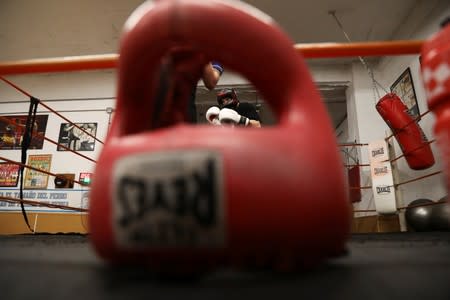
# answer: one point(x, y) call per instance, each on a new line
point(54, 28)
point(363, 20)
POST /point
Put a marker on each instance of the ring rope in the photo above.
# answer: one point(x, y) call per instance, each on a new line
point(416, 179)
point(36, 203)
point(360, 187)
point(403, 207)
point(351, 144)
point(404, 182)
point(412, 150)
point(40, 170)
point(358, 165)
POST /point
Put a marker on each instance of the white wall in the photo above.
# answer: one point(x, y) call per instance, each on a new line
point(423, 22)
point(48, 88)
point(59, 92)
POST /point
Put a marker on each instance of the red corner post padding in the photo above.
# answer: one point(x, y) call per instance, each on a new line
point(435, 69)
point(408, 133)
point(185, 199)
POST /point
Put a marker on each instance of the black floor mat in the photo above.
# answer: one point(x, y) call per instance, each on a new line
point(378, 266)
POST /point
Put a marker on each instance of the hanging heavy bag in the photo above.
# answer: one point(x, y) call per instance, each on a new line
point(409, 135)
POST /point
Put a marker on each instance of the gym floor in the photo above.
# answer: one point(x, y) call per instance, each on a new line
point(378, 266)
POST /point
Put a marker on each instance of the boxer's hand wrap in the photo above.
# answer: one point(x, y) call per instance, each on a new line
point(217, 66)
point(227, 116)
point(212, 115)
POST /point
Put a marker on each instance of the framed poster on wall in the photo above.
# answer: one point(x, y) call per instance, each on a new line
point(77, 139)
point(404, 88)
point(12, 129)
point(35, 179)
point(9, 174)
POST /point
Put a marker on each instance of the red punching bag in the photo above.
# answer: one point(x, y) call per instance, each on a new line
point(409, 135)
point(185, 199)
point(354, 183)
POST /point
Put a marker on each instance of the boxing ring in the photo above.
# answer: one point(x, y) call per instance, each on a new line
point(401, 265)
point(406, 265)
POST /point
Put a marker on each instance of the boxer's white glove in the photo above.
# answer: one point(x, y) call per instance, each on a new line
point(212, 115)
point(229, 116)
